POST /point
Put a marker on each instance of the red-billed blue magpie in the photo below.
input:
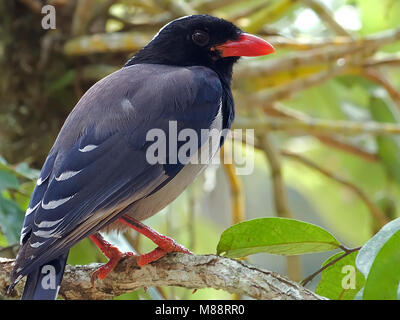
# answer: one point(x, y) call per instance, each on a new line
point(97, 175)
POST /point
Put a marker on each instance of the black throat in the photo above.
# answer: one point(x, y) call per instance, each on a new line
point(224, 69)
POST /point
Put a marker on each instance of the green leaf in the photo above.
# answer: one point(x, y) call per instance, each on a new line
point(11, 219)
point(275, 235)
point(342, 280)
point(22, 197)
point(384, 276)
point(22, 170)
point(8, 181)
point(25, 171)
point(381, 110)
point(366, 257)
point(388, 146)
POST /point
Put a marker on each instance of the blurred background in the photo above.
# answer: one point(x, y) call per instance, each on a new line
point(325, 109)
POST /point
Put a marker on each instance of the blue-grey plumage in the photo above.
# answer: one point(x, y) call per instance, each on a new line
point(44, 283)
point(98, 170)
point(98, 161)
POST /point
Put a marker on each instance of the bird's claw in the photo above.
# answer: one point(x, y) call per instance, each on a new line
point(102, 272)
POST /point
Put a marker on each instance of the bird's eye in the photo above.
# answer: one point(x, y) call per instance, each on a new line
point(200, 38)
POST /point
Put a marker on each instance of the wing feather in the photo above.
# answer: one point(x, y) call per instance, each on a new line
point(98, 164)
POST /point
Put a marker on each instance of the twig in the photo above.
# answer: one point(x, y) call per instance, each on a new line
point(271, 11)
point(82, 16)
point(106, 42)
point(155, 24)
point(326, 16)
point(235, 185)
point(286, 91)
point(356, 51)
point(189, 271)
point(375, 212)
point(300, 44)
point(305, 281)
point(378, 77)
point(390, 60)
point(284, 112)
point(318, 126)
point(325, 52)
point(280, 197)
point(381, 38)
point(245, 12)
point(101, 9)
point(372, 157)
point(292, 61)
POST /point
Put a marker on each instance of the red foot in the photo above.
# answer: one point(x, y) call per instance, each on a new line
point(165, 244)
point(154, 255)
point(110, 252)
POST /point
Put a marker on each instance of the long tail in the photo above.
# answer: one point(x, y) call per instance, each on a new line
point(44, 283)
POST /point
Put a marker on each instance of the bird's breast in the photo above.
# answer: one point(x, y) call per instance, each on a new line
point(148, 206)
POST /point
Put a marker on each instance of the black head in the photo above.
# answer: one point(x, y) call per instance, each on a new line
point(201, 40)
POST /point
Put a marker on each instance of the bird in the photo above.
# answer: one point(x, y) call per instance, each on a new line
point(100, 176)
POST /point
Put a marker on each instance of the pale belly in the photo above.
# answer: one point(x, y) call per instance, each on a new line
point(147, 207)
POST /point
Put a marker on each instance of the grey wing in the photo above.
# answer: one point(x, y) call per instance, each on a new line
point(98, 164)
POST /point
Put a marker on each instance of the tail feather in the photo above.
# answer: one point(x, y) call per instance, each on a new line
point(44, 283)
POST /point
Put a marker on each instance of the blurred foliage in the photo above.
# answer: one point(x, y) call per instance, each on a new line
point(16, 186)
point(335, 60)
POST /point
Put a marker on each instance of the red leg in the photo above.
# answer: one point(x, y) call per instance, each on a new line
point(111, 252)
point(165, 244)
point(151, 256)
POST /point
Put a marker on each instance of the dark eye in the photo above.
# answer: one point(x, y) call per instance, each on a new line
point(200, 38)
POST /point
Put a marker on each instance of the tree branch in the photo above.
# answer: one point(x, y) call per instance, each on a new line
point(375, 212)
point(189, 271)
point(327, 54)
point(287, 113)
point(379, 77)
point(318, 126)
point(286, 91)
